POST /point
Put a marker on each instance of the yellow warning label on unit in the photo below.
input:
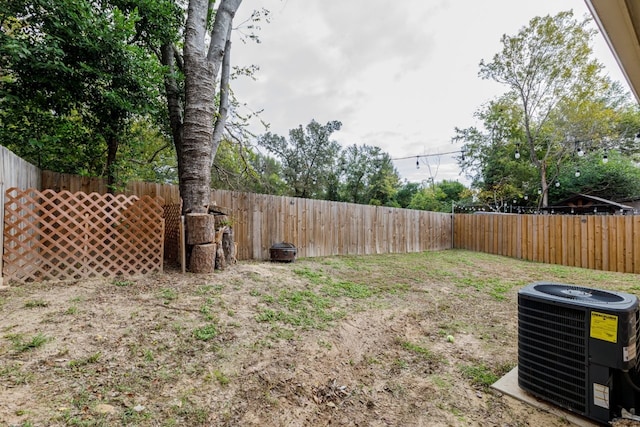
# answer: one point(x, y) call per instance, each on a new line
point(604, 326)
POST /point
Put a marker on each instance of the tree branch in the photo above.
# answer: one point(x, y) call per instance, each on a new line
point(223, 109)
point(174, 103)
point(178, 58)
point(220, 31)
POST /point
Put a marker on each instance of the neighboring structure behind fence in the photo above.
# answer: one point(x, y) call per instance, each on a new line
point(62, 235)
point(600, 242)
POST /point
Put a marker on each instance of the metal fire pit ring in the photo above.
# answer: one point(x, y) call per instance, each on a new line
point(283, 252)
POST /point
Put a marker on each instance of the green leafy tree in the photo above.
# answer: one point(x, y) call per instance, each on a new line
point(454, 191)
point(440, 196)
point(406, 192)
point(557, 102)
point(492, 160)
point(357, 170)
point(384, 183)
point(148, 154)
point(429, 198)
point(617, 179)
point(308, 157)
point(72, 82)
point(237, 167)
point(368, 176)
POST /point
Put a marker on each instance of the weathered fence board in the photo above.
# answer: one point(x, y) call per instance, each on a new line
point(74, 183)
point(14, 172)
point(324, 228)
point(602, 242)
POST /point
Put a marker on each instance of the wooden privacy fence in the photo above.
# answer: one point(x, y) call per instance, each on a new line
point(74, 183)
point(324, 228)
point(600, 242)
point(64, 235)
point(316, 227)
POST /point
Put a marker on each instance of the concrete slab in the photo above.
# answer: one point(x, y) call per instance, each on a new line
point(508, 385)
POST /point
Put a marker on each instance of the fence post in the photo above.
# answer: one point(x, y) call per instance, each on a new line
point(453, 224)
point(1, 225)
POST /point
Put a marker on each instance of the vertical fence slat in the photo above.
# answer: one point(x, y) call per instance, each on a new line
point(584, 241)
point(577, 233)
point(620, 244)
point(628, 244)
point(636, 243)
point(591, 258)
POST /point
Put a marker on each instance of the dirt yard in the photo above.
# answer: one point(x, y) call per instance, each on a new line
point(407, 340)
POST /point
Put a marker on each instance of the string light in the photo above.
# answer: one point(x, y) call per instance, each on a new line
point(428, 155)
point(577, 173)
point(605, 158)
point(517, 155)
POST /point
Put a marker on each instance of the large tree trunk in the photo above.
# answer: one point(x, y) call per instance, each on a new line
point(201, 68)
point(192, 125)
point(172, 60)
point(544, 201)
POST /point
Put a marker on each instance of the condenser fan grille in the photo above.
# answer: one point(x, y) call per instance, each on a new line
point(551, 353)
point(578, 293)
point(637, 367)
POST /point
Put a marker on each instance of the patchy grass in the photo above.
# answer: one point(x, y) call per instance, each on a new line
point(479, 375)
point(336, 340)
point(22, 344)
point(36, 303)
point(206, 333)
point(423, 352)
point(91, 359)
point(123, 283)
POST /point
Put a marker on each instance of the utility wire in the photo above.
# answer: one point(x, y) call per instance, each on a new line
point(427, 155)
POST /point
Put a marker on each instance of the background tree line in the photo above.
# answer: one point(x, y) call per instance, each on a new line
point(310, 164)
point(99, 88)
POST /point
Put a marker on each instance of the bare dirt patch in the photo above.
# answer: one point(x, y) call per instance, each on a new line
point(356, 341)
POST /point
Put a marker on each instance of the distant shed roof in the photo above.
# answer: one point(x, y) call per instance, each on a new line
point(585, 203)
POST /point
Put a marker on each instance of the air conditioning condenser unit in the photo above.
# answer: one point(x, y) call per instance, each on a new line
point(578, 348)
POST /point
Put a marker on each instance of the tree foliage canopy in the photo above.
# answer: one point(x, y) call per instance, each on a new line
point(557, 104)
point(127, 89)
point(308, 157)
point(73, 79)
point(314, 166)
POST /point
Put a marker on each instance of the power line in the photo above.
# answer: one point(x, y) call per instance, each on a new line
point(427, 155)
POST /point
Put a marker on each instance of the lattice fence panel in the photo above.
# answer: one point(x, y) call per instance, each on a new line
point(172, 214)
point(52, 235)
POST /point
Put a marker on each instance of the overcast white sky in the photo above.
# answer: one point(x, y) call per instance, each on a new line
point(398, 75)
